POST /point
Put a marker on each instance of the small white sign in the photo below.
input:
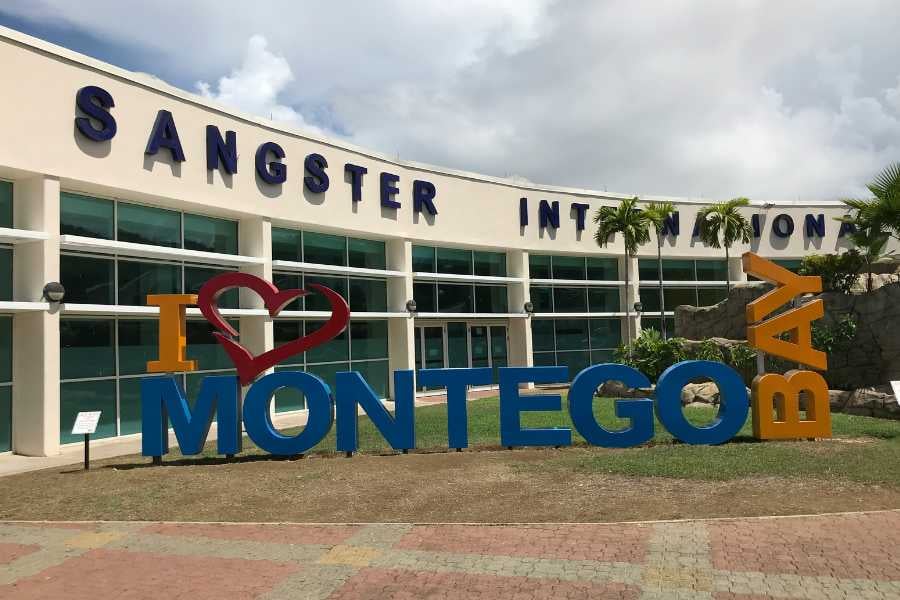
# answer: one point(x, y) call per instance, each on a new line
point(86, 422)
point(896, 386)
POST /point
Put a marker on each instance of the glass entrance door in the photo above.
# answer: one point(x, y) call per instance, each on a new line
point(458, 344)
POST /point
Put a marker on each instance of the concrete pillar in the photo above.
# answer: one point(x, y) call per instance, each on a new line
point(401, 331)
point(628, 295)
point(520, 344)
point(36, 334)
point(255, 239)
point(736, 270)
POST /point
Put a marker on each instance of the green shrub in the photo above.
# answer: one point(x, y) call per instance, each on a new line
point(651, 354)
point(838, 271)
point(837, 337)
point(706, 350)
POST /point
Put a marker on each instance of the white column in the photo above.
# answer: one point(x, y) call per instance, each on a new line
point(520, 343)
point(401, 331)
point(628, 295)
point(36, 334)
point(736, 270)
point(255, 239)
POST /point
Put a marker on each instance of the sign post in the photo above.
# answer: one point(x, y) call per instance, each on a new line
point(86, 424)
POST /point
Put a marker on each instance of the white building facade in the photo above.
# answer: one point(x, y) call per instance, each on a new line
point(118, 186)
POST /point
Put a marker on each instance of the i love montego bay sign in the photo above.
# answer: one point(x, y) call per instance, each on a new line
point(774, 398)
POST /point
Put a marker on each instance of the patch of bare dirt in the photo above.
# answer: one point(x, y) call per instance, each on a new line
point(440, 487)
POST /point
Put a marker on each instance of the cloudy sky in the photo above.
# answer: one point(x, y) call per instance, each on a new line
point(774, 100)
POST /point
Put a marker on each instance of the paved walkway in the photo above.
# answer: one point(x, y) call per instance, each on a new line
point(829, 556)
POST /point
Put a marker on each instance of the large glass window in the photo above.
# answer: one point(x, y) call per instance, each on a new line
point(458, 261)
point(80, 396)
point(603, 299)
point(492, 264)
point(102, 361)
point(423, 259)
point(454, 261)
point(138, 279)
point(425, 295)
point(6, 273)
point(87, 348)
point(455, 297)
point(491, 299)
point(602, 269)
point(681, 270)
point(570, 299)
point(368, 254)
point(6, 204)
point(138, 344)
point(203, 347)
point(148, 225)
point(87, 279)
point(369, 339)
point(539, 266)
point(287, 244)
point(327, 249)
point(315, 300)
point(5, 349)
point(712, 270)
point(195, 277)
point(5, 418)
point(368, 295)
point(324, 249)
point(86, 216)
point(210, 234)
point(107, 219)
point(542, 299)
point(574, 343)
point(568, 267)
point(362, 347)
point(6, 423)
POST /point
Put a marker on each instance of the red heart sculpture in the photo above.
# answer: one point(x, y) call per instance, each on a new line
point(247, 365)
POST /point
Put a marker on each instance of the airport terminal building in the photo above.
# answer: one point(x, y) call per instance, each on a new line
point(118, 186)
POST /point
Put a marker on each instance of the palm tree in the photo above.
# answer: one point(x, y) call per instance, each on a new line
point(722, 224)
point(626, 219)
point(882, 213)
point(657, 213)
point(871, 241)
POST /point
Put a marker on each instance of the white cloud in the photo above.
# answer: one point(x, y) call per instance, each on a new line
point(753, 98)
point(255, 86)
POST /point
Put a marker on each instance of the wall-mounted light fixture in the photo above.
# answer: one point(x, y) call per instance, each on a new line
point(528, 307)
point(54, 292)
point(638, 307)
point(411, 308)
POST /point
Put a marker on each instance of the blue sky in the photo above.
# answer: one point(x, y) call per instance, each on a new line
point(770, 100)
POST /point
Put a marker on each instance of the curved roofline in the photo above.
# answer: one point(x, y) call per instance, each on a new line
point(155, 84)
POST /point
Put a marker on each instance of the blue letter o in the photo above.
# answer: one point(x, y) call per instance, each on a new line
point(259, 425)
point(733, 407)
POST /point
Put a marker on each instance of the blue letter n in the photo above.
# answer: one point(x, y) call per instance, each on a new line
point(352, 391)
point(162, 399)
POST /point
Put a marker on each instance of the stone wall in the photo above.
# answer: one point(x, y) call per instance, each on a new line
point(727, 319)
point(872, 358)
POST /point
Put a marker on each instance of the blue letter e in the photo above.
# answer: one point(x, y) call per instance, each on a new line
point(162, 400)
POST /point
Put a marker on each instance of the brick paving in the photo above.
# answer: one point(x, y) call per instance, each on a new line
point(852, 555)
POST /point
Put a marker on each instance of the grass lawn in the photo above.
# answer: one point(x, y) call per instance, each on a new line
point(863, 448)
point(856, 470)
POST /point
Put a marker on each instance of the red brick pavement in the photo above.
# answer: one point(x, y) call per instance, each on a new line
point(611, 543)
point(401, 584)
point(828, 556)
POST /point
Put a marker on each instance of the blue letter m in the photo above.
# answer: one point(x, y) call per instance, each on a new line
point(162, 399)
